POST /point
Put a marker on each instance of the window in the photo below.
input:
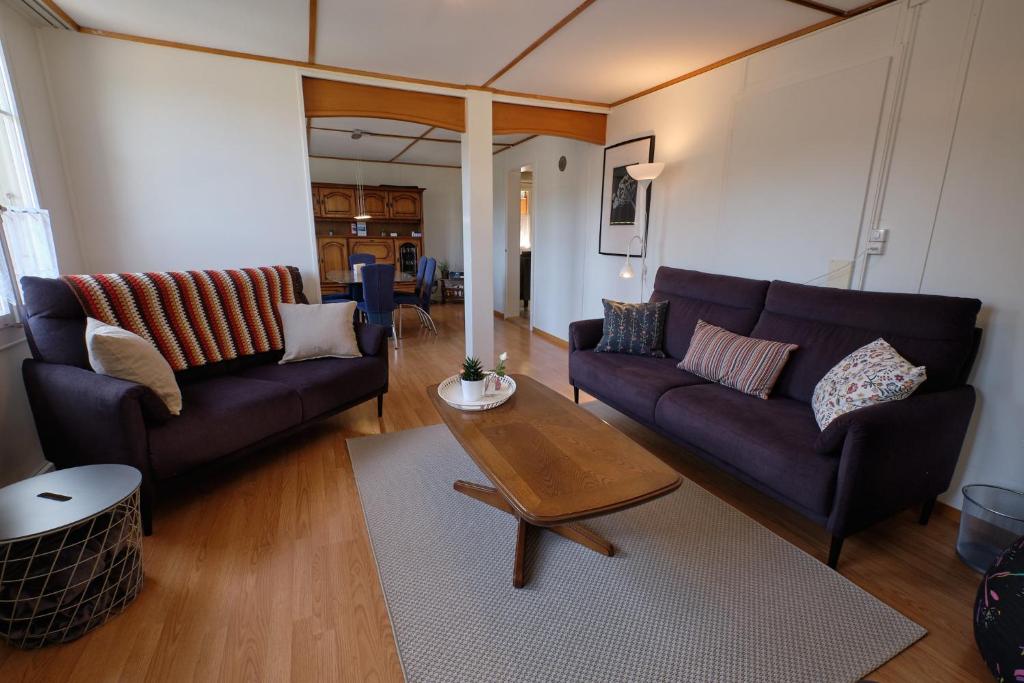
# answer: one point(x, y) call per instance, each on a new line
point(26, 243)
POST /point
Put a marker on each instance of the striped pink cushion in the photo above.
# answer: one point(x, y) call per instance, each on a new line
point(741, 363)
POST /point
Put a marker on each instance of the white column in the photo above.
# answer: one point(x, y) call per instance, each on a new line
point(478, 226)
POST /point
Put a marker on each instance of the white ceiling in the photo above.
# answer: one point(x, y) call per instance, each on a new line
point(386, 140)
point(610, 50)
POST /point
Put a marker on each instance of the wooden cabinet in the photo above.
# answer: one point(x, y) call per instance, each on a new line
point(336, 202)
point(333, 253)
point(382, 249)
point(405, 205)
point(375, 203)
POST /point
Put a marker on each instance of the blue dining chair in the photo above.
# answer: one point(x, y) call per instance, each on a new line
point(420, 300)
point(355, 290)
point(378, 304)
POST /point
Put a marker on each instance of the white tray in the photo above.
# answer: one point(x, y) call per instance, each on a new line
point(450, 392)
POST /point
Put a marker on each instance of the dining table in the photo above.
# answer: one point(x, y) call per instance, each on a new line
point(353, 279)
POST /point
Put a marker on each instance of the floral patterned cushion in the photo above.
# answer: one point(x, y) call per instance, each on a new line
point(874, 373)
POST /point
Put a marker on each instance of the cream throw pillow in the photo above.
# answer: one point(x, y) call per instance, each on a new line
point(319, 331)
point(116, 352)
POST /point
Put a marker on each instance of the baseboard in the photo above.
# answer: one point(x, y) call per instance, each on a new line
point(557, 341)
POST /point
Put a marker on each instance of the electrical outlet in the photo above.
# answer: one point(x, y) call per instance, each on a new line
point(875, 249)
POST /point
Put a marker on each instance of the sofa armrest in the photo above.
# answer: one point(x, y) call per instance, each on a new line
point(372, 338)
point(894, 455)
point(585, 334)
point(85, 418)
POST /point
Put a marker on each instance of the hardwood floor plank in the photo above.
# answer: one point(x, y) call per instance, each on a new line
point(262, 570)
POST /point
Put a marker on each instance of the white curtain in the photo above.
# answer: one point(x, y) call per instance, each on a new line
point(28, 247)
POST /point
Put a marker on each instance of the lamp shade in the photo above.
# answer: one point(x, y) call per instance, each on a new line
point(627, 270)
point(645, 171)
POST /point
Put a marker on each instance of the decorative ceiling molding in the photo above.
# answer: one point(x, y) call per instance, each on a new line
point(325, 98)
point(413, 143)
point(59, 11)
point(827, 9)
point(521, 118)
point(312, 32)
point(537, 43)
point(377, 161)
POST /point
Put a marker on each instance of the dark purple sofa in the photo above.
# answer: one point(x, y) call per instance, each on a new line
point(868, 464)
point(229, 409)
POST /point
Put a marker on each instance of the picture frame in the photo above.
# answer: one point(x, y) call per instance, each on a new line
point(621, 212)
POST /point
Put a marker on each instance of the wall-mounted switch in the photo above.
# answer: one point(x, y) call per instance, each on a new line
point(878, 235)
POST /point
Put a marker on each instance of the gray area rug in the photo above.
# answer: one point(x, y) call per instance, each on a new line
point(697, 591)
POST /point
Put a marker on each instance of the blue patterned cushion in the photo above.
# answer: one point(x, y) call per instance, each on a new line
point(637, 329)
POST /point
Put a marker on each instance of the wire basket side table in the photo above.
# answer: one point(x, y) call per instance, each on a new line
point(70, 553)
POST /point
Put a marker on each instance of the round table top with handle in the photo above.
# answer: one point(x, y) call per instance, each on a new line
point(55, 500)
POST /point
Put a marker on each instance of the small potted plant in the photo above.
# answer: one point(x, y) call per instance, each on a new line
point(473, 379)
point(499, 372)
point(444, 268)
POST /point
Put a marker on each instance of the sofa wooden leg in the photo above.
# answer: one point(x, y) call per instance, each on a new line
point(576, 394)
point(926, 511)
point(380, 405)
point(834, 550)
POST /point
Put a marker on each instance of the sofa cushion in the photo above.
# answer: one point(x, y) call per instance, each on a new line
point(829, 324)
point(632, 384)
point(771, 441)
point(636, 329)
point(54, 322)
point(221, 415)
point(742, 363)
point(733, 303)
point(325, 384)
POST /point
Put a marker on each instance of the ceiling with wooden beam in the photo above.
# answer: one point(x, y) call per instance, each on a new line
point(590, 51)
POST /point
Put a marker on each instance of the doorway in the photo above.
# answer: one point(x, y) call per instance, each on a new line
point(520, 229)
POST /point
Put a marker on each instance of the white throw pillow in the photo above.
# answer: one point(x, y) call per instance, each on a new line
point(874, 373)
point(117, 352)
point(319, 331)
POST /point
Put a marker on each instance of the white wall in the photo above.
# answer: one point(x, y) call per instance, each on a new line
point(21, 454)
point(442, 201)
point(564, 206)
point(955, 228)
point(180, 159)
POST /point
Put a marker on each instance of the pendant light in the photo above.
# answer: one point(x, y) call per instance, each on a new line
point(361, 214)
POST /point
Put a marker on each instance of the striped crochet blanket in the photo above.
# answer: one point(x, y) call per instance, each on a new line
point(193, 317)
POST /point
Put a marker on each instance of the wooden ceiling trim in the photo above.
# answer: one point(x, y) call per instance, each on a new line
point(565, 123)
point(386, 135)
point(821, 7)
point(375, 161)
point(514, 144)
point(59, 11)
point(867, 7)
point(312, 32)
point(330, 69)
point(413, 143)
point(336, 98)
point(730, 59)
point(537, 43)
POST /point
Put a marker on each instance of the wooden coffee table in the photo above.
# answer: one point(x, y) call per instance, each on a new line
point(553, 464)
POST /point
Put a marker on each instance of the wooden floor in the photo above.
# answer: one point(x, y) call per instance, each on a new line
point(263, 571)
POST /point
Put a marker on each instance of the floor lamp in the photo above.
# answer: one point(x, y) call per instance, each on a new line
point(643, 174)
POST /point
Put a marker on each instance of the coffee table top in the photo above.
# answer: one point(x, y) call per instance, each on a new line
point(553, 461)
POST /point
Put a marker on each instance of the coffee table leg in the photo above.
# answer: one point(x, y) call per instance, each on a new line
point(576, 533)
point(518, 569)
point(585, 537)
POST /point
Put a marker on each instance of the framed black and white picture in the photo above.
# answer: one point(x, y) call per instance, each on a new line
point(623, 209)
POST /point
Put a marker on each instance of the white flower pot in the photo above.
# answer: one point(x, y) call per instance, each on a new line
point(472, 391)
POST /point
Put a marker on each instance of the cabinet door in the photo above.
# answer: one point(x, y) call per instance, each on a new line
point(333, 255)
point(375, 203)
point(405, 205)
point(337, 202)
point(407, 254)
point(383, 249)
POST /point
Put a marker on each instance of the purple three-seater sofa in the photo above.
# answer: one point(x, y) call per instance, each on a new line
point(867, 464)
point(230, 408)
